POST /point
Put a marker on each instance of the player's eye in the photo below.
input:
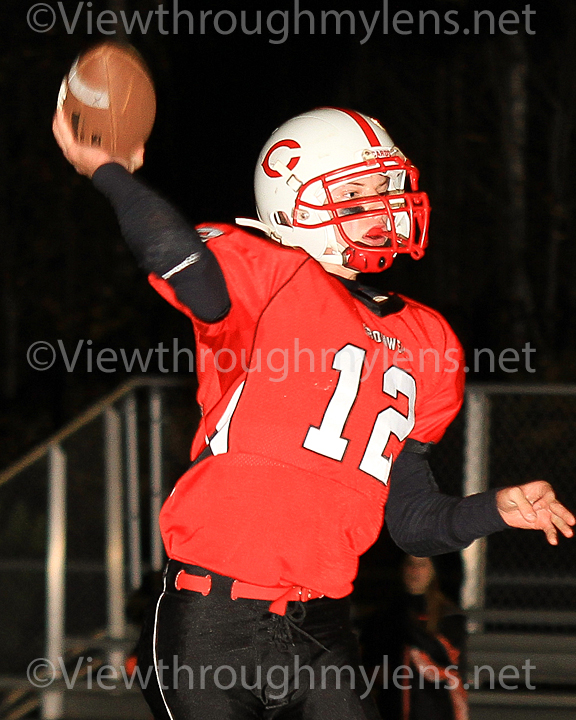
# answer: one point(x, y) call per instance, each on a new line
point(343, 194)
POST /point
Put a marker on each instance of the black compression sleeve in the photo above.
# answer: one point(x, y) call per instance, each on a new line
point(422, 521)
point(162, 240)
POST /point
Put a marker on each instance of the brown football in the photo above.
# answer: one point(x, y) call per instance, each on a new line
point(108, 98)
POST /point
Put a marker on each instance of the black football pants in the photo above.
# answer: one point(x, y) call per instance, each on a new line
point(214, 658)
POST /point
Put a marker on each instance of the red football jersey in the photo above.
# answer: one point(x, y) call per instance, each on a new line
point(307, 397)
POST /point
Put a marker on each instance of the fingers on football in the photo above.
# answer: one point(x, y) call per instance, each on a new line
point(85, 158)
point(58, 130)
point(62, 131)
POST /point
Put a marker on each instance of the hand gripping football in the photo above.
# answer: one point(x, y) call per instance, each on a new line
point(108, 98)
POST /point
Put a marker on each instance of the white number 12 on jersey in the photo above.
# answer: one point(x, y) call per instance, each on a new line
point(327, 439)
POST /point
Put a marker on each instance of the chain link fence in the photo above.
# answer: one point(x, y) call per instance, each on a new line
point(530, 434)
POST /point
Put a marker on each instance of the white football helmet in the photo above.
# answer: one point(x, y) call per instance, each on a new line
point(310, 156)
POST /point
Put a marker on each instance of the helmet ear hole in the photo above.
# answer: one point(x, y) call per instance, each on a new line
point(281, 218)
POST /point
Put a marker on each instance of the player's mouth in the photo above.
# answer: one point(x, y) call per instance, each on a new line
point(379, 237)
point(376, 237)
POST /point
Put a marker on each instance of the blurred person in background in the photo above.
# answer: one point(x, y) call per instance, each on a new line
point(433, 648)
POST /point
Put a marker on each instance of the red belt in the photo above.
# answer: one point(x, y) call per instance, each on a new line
point(279, 595)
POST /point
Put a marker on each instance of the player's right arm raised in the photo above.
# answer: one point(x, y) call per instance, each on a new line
point(161, 239)
point(86, 159)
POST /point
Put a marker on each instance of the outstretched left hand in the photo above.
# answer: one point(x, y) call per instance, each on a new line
point(534, 506)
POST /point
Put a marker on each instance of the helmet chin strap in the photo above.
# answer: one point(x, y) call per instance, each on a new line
point(332, 259)
point(258, 225)
point(336, 247)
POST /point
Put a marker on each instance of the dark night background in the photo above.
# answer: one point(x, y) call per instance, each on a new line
point(488, 119)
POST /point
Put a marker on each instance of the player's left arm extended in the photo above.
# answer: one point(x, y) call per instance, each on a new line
point(423, 521)
point(534, 506)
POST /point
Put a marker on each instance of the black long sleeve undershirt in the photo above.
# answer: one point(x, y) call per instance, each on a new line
point(421, 520)
point(161, 240)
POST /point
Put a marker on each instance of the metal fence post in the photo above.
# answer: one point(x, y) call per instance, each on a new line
point(53, 700)
point(156, 548)
point(476, 464)
point(114, 526)
point(133, 491)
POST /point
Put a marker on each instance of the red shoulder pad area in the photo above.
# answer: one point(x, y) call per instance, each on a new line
point(440, 365)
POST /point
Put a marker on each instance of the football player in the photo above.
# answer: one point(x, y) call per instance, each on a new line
point(292, 467)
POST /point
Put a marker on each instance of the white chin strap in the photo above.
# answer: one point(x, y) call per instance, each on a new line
point(258, 225)
point(335, 257)
point(332, 259)
point(335, 248)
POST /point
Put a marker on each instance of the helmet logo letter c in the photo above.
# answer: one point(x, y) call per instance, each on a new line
point(290, 165)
